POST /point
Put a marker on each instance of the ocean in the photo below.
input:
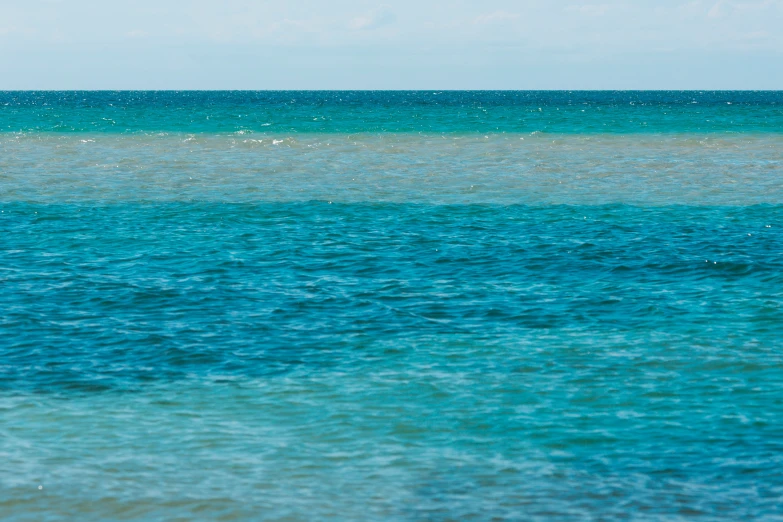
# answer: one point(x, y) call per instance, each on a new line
point(383, 306)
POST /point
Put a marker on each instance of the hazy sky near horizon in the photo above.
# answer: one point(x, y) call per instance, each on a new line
point(405, 44)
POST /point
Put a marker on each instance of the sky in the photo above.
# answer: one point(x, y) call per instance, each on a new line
point(405, 44)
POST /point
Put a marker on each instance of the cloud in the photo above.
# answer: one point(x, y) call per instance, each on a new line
point(717, 10)
point(373, 20)
point(589, 9)
point(755, 35)
point(496, 17)
point(725, 8)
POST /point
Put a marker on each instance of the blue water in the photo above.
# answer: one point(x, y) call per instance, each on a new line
point(204, 322)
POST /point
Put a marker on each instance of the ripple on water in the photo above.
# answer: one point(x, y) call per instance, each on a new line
point(389, 361)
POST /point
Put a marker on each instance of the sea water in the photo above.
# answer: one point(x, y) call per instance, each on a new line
point(391, 306)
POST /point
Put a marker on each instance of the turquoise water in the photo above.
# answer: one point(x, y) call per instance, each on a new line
point(393, 111)
point(519, 316)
